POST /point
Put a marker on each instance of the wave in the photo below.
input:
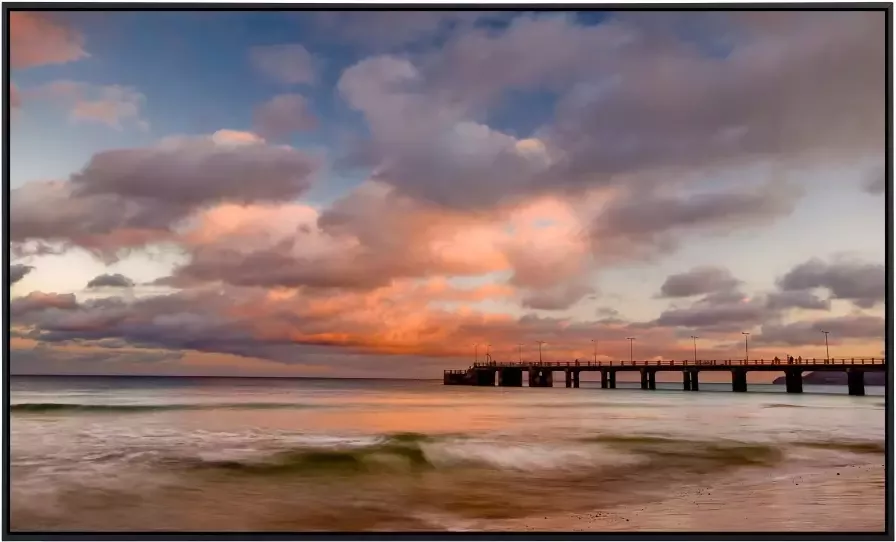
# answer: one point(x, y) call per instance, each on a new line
point(675, 451)
point(398, 451)
point(416, 452)
point(82, 407)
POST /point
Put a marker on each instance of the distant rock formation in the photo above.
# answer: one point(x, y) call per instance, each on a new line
point(872, 378)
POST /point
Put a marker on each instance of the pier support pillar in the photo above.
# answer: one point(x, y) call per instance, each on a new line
point(651, 380)
point(612, 379)
point(644, 376)
point(568, 378)
point(686, 377)
point(484, 377)
point(695, 380)
point(540, 378)
point(605, 379)
point(575, 378)
point(794, 381)
point(510, 378)
point(739, 380)
point(856, 382)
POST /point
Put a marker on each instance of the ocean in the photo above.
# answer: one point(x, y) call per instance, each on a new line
point(264, 454)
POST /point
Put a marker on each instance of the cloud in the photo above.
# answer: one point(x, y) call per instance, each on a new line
point(697, 281)
point(650, 222)
point(112, 105)
point(116, 280)
point(443, 157)
point(364, 240)
point(557, 298)
point(400, 320)
point(632, 101)
point(37, 38)
point(797, 300)
point(18, 271)
point(659, 101)
point(876, 182)
point(15, 97)
point(130, 197)
point(727, 312)
point(389, 29)
point(288, 63)
point(845, 328)
point(39, 301)
point(861, 283)
point(282, 115)
point(375, 235)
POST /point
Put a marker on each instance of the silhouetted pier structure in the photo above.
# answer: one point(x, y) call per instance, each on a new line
point(541, 374)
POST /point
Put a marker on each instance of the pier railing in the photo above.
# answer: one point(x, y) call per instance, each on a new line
point(685, 363)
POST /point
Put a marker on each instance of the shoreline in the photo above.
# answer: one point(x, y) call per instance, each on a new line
point(846, 498)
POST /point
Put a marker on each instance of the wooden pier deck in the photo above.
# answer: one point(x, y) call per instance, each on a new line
point(540, 374)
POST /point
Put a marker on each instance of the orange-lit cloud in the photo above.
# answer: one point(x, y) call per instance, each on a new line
point(36, 39)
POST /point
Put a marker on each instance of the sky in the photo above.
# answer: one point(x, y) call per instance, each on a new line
point(373, 194)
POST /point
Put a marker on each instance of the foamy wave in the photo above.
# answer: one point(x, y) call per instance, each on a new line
point(522, 457)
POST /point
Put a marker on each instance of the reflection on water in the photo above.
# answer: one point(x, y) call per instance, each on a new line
point(266, 454)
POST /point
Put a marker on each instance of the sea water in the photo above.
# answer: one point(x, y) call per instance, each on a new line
point(263, 454)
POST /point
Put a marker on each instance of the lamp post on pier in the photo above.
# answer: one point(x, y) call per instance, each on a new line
point(520, 346)
point(695, 347)
point(595, 349)
point(539, 349)
point(827, 349)
point(631, 349)
point(746, 347)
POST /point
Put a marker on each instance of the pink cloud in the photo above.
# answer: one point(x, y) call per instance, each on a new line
point(112, 105)
point(288, 63)
point(36, 39)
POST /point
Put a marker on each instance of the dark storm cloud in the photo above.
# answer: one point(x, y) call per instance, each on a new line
point(116, 280)
point(18, 271)
point(697, 281)
point(861, 283)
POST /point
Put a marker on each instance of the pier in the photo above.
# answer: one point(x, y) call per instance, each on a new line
point(541, 374)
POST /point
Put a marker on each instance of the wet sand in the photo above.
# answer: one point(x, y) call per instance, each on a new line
point(846, 498)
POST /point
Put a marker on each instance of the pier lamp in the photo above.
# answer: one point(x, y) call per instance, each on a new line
point(595, 349)
point(631, 349)
point(695, 347)
point(746, 346)
point(520, 346)
point(539, 349)
point(827, 349)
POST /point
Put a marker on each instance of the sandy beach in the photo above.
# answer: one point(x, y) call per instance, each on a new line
point(846, 498)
